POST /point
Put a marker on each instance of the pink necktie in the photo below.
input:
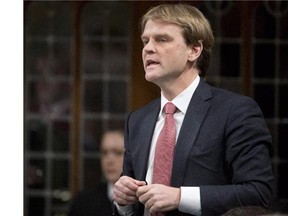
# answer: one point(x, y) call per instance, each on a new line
point(165, 148)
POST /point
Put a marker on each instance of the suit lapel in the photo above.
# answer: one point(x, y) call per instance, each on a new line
point(148, 126)
point(193, 119)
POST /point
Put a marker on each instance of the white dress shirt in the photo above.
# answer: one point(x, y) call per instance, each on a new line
point(190, 196)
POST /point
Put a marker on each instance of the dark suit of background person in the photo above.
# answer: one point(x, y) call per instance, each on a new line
point(92, 202)
point(98, 201)
point(223, 143)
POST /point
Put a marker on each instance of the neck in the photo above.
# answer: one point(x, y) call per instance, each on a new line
point(173, 89)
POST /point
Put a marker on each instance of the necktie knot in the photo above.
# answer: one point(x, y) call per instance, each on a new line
point(170, 108)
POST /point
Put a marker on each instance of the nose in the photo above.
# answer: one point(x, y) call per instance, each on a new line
point(149, 47)
point(110, 160)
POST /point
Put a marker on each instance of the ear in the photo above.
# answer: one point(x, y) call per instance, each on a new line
point(195, 51)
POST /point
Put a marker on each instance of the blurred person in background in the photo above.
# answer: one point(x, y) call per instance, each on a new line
point(98, 201)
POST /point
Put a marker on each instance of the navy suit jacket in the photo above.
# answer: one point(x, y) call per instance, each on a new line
point(92, 202)
point(223, 147)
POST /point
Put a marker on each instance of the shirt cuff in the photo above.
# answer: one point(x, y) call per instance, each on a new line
point(124, 210)
point(190, 200)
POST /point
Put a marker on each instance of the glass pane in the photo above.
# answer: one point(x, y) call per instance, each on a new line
point(61, 52)
point(60, 174)
point(50, 97)
point(284, 21)
point(37, 58)
point(93, 57)
point(36, 206)
point(214, 66)
point(37, 135)
point(264, 66)
point(55, 97)
point(49, 58)
point(33, 104)
point(92, 134)
point(219, 7)
point(265, 97)
point(265, 26)
point(283, 60)
point(35, 174)
point(119, 25)
point(210, 14)
point(104, 17)
point(278, 9)
point(117, 104)
point(118, 56)
point(60, 136)
point(60, 210)
point(283, 100)
point(117, 124)
point(234, 86)
point(93, 96)
point(49, 17)
point(282, 181)
point(93, 19)
point(92, 173)
point(283, 140)
point(231, 22)
point(230, 60)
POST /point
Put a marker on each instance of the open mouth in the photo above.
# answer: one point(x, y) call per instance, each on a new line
point(151, 63)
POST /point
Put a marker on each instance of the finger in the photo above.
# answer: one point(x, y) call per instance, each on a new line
point(126, 185)
point(123, 198)
point(142, 190)
point(140, 183)
point(130, 183)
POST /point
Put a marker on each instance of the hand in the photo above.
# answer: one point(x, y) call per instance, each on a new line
point(124, 191)
point(159, 198)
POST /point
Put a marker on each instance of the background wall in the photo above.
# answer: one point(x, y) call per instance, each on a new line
point(83, 74)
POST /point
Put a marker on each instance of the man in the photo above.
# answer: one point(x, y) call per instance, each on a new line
point(99, 200)
point(221, 158)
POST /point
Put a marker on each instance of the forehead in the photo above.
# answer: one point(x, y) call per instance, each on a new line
point(159, 27)
point(112, 140)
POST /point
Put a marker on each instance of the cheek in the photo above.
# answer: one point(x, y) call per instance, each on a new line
point(143, 55)
point(176, 60)
point(103, 163)
point(120, 161)
point(181, 57)
point(175, 54)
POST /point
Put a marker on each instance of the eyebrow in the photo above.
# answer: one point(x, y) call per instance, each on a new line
point(157, 36)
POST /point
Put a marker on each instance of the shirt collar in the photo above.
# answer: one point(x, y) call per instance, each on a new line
point(110, 190)
point(183, 99)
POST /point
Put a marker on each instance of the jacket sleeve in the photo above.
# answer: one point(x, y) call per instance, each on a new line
point(247, 144)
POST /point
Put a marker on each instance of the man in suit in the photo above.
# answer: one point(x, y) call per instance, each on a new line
point(221, 156)
point(98, 201)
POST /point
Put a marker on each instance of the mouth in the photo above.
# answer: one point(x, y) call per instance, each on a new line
point(150, 63)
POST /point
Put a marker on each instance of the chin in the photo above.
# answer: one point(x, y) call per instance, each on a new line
point(150, 78)
point(113, 178)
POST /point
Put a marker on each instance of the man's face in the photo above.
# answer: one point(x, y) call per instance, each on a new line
point(112, 149)
point(165, 53)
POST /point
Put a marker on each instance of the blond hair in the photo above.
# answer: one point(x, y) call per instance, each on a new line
point(196, 28)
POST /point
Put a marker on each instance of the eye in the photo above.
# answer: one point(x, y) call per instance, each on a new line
point(161, 39)
point(145, 42)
